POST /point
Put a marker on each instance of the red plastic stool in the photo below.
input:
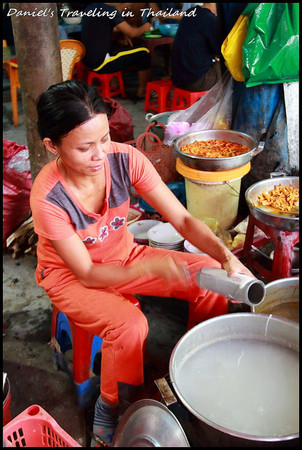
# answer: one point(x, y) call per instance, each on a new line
point(66, 335)
point(182, 99)
point(82, 71)
point(105, 78)
point(284, 242)
point(162, 102)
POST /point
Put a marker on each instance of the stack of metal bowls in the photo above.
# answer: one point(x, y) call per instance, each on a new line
point(166, 236)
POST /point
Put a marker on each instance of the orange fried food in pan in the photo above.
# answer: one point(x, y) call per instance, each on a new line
point(281, 198)
point(215, 148)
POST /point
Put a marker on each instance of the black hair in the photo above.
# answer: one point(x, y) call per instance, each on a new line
point(66, 105)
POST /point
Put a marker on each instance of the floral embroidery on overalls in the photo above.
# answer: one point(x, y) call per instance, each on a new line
point(103, 233)
point(117, 222)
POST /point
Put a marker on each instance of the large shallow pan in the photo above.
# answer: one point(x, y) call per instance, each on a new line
point(214, 164)
point(280, 221)
point(231, 371)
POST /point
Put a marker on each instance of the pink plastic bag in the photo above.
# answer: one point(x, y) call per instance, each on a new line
point(213, 111)
point(17, 183)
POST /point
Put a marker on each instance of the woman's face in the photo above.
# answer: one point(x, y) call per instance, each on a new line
point(84, 149)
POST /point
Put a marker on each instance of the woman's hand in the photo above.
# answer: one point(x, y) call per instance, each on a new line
point(233, 266)
point(145, 27)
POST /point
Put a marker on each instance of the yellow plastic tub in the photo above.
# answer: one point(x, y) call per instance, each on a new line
point(213, 194)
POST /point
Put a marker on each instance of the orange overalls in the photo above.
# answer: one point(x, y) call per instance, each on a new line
point(58, 214)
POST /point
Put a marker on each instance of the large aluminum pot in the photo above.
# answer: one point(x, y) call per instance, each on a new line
point(231, 371)
point(283, 221)
point(281, 299)
point(161, 118)
point(214, 164)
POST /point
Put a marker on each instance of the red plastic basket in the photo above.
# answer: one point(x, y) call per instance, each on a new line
point(34, 427)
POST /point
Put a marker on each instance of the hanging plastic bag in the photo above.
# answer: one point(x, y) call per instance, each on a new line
point(213, 111)
point(231, 48)
point(17, 183)
point(271, 46)
point(120, 122)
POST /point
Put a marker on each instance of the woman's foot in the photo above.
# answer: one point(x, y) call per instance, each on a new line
point(104, 424)
point(141, 93)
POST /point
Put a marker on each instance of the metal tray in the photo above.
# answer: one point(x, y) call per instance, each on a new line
point(214, 164)
point(278, 221)
point(148, 423)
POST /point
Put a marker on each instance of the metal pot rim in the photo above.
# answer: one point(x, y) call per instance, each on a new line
point(156, 117)
point(228, 431)
point(228, 158)
point(283, 281)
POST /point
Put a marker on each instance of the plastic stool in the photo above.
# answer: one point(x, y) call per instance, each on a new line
point(65, 335)
point(162, 102)
point(284, 242)
point(81, 72)
point(182, 99)
point(105, 89)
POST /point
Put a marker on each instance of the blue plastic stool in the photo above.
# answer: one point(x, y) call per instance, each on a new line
point(66, 335)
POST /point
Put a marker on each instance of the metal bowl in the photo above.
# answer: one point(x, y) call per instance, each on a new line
point(214, 164)
point(161, 118)
point(279, 221)
point(148, 423)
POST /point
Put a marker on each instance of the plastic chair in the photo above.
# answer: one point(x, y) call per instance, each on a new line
point(14, 86)
point(163, 100)
point(105, 89)
point(182, 99)
point(6, 51)
point(65, 335)
point(72, 51)
point(81, 71)
point(11, 69)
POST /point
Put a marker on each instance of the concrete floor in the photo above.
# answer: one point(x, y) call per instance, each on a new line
point(27, 356)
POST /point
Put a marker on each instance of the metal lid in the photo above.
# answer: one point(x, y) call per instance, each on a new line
point(149, 423)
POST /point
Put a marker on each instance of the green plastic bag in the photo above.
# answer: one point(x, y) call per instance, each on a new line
point(271, 47)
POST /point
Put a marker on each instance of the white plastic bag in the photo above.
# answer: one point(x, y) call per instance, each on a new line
point(213, 111)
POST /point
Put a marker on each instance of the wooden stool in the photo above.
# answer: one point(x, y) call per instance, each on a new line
point(65, 335)
point(163, 90)
point(182, 99)
point(105, 90)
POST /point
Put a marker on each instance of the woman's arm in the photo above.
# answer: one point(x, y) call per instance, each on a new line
point(76, 257)
point(194, 230)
